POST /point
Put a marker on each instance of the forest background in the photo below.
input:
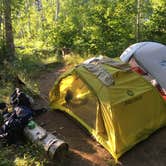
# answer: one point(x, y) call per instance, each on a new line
point(32, 30)
point(34, 33)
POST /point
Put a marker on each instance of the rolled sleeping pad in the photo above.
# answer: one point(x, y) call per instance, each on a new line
point(55, 148)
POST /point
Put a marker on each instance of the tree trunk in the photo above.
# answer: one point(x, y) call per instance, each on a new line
point(57, 10)
point(1, 24)
point(8, 30)
point(138, 17)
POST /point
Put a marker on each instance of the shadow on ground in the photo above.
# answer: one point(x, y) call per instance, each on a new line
point(84, 151)
point(151, 152)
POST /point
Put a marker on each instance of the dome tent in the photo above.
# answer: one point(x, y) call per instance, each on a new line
point(151, 56)
point(108, 99)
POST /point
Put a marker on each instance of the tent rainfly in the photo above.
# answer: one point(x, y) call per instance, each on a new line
point(117, 106)
point(151, 56)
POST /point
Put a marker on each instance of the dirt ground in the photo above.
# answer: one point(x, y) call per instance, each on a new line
point(85, 151)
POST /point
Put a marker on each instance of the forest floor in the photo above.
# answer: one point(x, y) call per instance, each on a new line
point(85, 151)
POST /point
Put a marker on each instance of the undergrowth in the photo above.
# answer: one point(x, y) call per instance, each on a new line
point(25, 155)
point(27, 66)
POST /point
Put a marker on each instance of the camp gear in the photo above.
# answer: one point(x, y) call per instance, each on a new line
point(113, 111)
point(31, 124)
point(55, 148)
point(19, 98)
point(151, 56)
point(14, 122)
point(24, 114)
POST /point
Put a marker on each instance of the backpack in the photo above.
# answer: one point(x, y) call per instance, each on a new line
point(12, 129)
point(18, 98)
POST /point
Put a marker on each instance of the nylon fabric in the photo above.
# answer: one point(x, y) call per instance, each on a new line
point(115, 115)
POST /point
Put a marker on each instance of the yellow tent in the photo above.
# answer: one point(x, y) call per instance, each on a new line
point(117, 106)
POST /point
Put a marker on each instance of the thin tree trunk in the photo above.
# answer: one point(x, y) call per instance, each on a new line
point(138, 21)
point(57, 10)
point(8, 30)
point(0, 24)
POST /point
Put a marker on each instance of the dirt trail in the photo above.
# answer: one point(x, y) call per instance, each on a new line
point(84, 151)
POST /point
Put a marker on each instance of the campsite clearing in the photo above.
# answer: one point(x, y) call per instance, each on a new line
point(83, 149)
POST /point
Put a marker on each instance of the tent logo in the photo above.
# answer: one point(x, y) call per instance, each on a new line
point(130, 92)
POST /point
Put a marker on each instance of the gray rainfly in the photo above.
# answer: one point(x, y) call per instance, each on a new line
point(151, 57)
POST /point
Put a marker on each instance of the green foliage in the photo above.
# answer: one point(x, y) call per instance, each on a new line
point(4, 157)
point(87, 26)
point(5, 91)
point(100, 27)
point(26, 155)
point(155, 27)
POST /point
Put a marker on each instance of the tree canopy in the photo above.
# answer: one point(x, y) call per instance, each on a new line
point(84, 26)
